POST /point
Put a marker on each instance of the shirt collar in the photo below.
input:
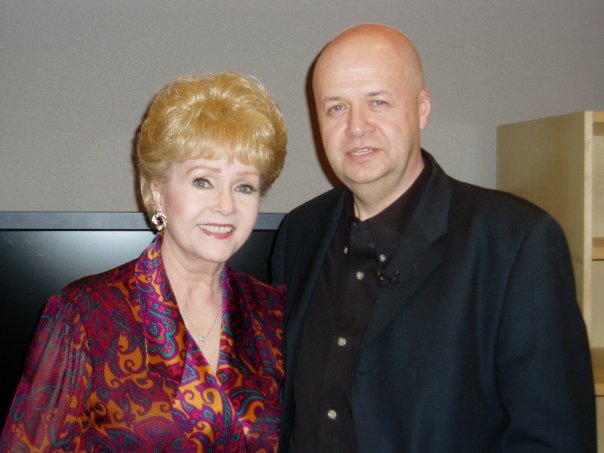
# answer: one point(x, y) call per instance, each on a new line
point(388, 224)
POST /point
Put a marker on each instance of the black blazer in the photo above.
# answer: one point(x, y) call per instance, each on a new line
point(479, 347)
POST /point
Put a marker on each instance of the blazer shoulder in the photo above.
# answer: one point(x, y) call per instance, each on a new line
point(459, 198)
point(495, 203)
point(449, 205)
point(319, 205)
point(308, 227)
point(495, 212)
point(315, 214)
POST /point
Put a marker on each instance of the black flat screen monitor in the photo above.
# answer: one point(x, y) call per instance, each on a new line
point(41, 252)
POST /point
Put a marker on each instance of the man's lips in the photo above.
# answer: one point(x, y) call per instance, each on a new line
point(358, 152)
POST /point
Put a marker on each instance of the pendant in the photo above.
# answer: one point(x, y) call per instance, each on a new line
point(202, 338)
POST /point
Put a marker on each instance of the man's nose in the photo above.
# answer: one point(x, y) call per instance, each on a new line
point(358, 123)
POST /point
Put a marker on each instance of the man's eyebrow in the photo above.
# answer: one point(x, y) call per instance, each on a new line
point(330, 98)
point(371, 94)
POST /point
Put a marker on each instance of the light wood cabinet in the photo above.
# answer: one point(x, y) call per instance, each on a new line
point(558, 164)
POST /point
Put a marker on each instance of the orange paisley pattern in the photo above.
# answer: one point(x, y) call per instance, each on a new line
point(113, 368)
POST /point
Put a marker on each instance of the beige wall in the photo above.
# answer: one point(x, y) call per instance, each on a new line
point(76, 76)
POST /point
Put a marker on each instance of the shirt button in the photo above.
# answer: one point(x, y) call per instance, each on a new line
point(332, 414)
point(360, 275)
point(342, 341)
point(345, 250)
point(382, 258)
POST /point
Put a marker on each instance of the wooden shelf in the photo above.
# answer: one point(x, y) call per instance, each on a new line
point(598, 249)
point(558, 164)
point(597, 361)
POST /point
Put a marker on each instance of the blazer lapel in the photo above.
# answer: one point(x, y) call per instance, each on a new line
point(309, 261)
point(412, 268)
point(417, 255)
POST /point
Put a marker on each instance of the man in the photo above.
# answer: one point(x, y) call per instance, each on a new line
point(423, 314)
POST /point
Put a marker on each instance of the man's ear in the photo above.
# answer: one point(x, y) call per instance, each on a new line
point(425, 107)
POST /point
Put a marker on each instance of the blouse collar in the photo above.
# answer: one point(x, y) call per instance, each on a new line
point(166, 339)
point(163, 326)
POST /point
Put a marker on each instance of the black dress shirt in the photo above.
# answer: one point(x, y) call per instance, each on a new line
point(353, 272)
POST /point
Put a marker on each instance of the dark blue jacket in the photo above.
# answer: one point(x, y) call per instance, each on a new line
point(479, 347)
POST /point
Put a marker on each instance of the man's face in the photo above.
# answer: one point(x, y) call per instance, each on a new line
point(370, 111)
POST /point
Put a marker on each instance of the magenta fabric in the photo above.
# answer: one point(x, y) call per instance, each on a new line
point(113, 368)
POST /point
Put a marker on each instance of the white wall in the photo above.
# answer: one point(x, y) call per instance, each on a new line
point(76, 77)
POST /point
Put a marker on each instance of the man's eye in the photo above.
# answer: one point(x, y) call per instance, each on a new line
point(335, 109)
point(245, 188)
point(202, 183)
point(379, 102)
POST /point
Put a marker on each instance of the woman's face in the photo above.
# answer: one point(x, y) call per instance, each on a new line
point(211, 207)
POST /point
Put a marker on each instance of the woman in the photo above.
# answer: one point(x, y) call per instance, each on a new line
point(173, 351)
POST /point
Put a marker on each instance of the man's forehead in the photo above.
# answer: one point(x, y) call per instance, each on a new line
point(369, 71)
point(361, 64)
point(367, 79)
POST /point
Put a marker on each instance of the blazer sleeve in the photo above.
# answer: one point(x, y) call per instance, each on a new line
point(278, 258)
point(47, 412)
point(543, 361)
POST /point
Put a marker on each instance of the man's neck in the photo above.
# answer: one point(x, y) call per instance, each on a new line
point(372, 198)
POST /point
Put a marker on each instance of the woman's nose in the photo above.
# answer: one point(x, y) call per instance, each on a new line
point(225, 203)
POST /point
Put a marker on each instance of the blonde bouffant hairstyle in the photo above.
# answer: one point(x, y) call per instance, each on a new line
point(210, 116)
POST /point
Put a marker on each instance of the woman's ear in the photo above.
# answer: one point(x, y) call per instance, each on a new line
point(157, 195)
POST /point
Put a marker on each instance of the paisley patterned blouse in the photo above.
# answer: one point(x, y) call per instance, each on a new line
point(113, 368)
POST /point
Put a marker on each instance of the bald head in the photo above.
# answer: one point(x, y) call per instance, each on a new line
point(371, 106)
point(372, 43)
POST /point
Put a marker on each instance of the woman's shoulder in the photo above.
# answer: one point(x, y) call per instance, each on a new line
point(81, 307)
point(253, 289)
point(256, 311)
point(91, 287)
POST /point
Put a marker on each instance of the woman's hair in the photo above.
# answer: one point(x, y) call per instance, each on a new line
point(210, 116)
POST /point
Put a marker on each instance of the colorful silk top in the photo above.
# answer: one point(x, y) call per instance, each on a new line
point(113, 368)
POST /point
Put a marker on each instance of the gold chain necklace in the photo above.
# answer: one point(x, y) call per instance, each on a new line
point(202, 338)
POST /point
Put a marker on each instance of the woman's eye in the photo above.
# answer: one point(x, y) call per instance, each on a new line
point(245, 188)
point(202, 183)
